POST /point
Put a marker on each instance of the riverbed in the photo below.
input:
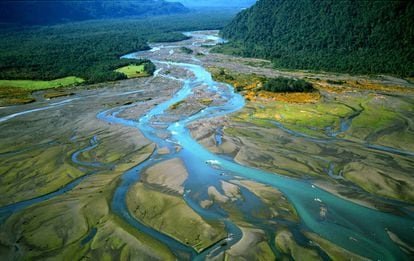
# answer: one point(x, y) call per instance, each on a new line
point(115, 135)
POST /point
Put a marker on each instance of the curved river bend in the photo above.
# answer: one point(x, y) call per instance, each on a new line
point(356, 228)
point(361, 230)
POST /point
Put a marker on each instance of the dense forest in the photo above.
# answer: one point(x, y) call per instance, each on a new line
point(282, 84)
point(352, 36)
point(57, 11)
point(216, 3)
point(91, 49)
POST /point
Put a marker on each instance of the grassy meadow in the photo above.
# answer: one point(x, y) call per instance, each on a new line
point(133, 71)
point(41, 85)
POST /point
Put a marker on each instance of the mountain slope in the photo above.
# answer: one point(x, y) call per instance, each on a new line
point(51, 11)
point(355, 35)
point(216, 3)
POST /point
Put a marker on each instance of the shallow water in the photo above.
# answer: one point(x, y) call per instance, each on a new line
point(356, 228)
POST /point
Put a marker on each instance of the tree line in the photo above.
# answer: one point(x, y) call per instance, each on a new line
point(347, 36)
point(91, 49)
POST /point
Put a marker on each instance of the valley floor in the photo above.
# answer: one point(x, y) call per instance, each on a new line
point(108, 173)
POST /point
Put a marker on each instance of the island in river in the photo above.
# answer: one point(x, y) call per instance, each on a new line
point(181, 166)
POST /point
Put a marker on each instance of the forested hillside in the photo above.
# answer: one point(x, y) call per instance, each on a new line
point(56, 11)
point(91, 49)
point(354, 36)
point(216, 3)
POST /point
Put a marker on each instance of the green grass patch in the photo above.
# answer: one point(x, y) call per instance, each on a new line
point(133, 71)
point(374, 118)
point(310, 119)
point(206, 101)
point(313, 116)
point(171, 215)
point(41, 85)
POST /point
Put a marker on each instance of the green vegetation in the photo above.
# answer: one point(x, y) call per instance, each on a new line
point(287, 245)
point(167, 37)
point(243, 82)
point(239, 81)
point(335, 82)
point(360, 117)
point(19, 91)
point(12, 95)
point(63, 224)
point(310, 118)
point(380, 180)
point(218, 3)
point(186, 50)
point(137, 70)
point(379, 118)
point(254, 86)
point(335, 252)
point(40, 85)
point(351, 36)
point(132, 71)
point(46, 170)
point(91, 50)
point(206, 101)
point(51, 12)
point(83, 49)
point(282, 84)
point(171, 215)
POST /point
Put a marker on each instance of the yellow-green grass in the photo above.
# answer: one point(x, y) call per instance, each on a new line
point(170, 214)
point(252, 246)
point(385, 120)
point(133, 71)
point(311, 119)
point(291, 164)
point(175, 105)
point(375, 117)
point(376, 179)
point(79, 211)
point(333, 251)
point(275, 201)
point(40, 85)
point(286, 244)
point(36, 172)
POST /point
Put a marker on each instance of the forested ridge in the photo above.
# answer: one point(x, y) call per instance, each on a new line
point(217, 3)
point(354, 36)
point(57, 11)
point(91, 49)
